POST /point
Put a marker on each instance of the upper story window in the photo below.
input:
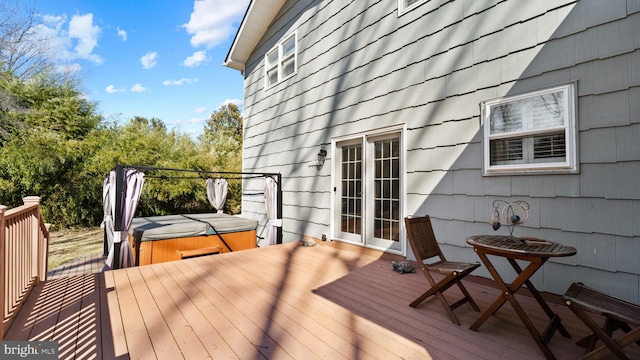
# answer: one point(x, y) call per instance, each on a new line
point(281, 61)
point(531, 133)
point(406, 5)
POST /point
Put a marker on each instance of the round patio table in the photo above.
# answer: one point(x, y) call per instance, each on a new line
point(536, 252)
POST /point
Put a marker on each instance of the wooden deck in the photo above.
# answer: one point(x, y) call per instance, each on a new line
point(331, 301)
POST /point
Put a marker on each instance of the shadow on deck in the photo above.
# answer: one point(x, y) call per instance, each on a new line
point(282, 302)
point(73, 312)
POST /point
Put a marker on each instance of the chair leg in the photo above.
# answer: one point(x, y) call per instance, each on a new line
point(597, 331)
point(624, 340)
point(447, 308)
point(442, 299)
point(467, 296)
point(437, 289)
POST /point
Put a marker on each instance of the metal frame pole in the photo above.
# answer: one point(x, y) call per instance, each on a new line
point(117, 222)
point(279, 232)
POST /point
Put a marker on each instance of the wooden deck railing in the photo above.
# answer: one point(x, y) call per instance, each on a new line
point(24, 243)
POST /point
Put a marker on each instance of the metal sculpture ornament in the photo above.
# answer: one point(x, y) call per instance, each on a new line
point(512, 213)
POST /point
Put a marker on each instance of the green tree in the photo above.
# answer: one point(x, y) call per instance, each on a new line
point(222, 135)
point(12, 109)
point(147, 142)
point(222, 140)
point(44, 123)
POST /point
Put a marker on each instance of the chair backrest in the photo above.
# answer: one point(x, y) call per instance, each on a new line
point(421, 238)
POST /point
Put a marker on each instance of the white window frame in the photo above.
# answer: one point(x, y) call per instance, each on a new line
point(282, 59)
point(528, 131)
point(407, 5)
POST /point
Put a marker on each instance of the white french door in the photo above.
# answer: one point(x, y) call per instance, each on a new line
point(367, 190)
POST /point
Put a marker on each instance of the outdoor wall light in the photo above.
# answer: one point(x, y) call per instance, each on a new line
point(322, 155)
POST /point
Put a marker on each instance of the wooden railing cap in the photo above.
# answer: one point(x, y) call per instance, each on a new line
point(31, 199)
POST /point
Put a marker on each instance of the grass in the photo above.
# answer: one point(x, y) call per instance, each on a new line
point(68, 245)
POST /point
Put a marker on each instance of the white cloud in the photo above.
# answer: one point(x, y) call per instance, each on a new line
point(122, 34)
point(180, 81)
point(56, 21)
point(76, 39)
point(213, 21)
point(81, 28)
point(138, 88)
point(200, 110)
point(239, 103)
point(149, 60)
point(112, 89)
point(196, 59)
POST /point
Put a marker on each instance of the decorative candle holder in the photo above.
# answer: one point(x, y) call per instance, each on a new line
point(513, 213)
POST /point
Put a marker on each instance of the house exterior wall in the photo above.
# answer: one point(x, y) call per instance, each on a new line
point(361, 66)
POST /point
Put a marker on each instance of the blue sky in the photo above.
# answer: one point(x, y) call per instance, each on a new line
point(151, 58)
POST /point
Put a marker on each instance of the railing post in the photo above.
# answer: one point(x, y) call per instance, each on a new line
point(34, 236)
point(44, 254)
point(3, 271)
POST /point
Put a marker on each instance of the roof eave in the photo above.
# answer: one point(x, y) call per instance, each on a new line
point(237, 65)
point(254, 25)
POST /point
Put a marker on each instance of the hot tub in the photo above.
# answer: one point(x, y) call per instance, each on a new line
point(157, 239)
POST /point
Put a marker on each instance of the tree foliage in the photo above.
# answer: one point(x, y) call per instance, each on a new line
point(222, 139)
point(55, 144)
point(65, 150)
point(222, 135)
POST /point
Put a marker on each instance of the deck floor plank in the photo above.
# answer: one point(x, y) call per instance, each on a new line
point(369, 338)
point(239, 311)
point(27, 317)
point(430, 313)
point(89, 334)
point(186, 297)
point(333, 300)
point(239, 333)
point(273, 310)
point(177, 324)
point(138, 341)
point(162, 338)
point(49, 307)
point(295, 309)
point(67, 326)
point(429, 316)
point(114, 344)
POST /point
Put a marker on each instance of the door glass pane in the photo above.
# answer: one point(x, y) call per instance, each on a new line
point(387, 184)
point(351, 197)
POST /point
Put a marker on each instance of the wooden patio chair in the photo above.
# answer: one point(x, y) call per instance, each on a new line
point(618, 314)
point(425, 247)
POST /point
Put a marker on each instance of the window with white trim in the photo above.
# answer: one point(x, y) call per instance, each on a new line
point(406, 5)
point(533, 132)
point(281, 61)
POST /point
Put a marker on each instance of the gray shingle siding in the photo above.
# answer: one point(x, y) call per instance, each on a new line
point(361, 66)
